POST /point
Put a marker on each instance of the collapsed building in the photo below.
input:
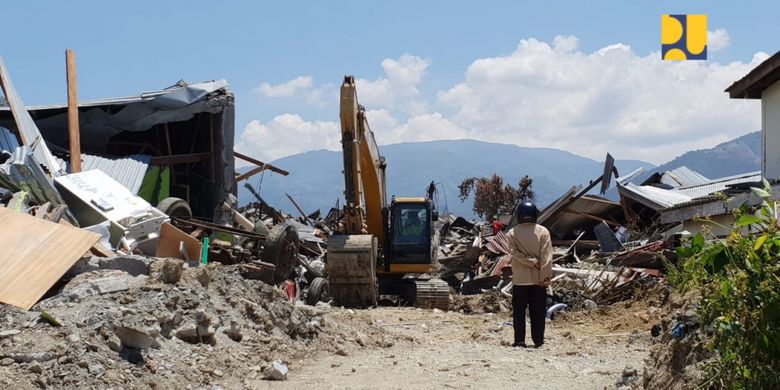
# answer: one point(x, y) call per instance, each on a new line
point(176, 142)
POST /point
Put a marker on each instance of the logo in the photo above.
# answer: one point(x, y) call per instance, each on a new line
point(684, 37)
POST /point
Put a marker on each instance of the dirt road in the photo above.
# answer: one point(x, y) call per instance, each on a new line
point(453, 350)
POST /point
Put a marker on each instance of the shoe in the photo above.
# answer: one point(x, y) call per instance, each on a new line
point(538, 346)
point(519, 345)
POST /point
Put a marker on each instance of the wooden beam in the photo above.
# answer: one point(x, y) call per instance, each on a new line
point(260, 164)
point(74, 135)
point(628, 213)
point(250, 173)
point(275, 213)
point(179, 158)
point(297, 207)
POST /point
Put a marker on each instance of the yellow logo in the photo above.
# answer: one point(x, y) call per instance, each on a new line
point(684, 37)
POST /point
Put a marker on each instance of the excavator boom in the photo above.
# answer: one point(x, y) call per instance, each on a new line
point(364, 168)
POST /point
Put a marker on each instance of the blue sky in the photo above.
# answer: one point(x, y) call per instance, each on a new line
point(124, 48)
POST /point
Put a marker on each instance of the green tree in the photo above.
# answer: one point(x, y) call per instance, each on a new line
point(492, 197)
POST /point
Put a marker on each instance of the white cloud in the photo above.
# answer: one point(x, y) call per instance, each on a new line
point(285, 135)
point(397, 88)
point(286, 89)
point(717, 40)
point(424, 127)
point(544, 95)
point(611, 100)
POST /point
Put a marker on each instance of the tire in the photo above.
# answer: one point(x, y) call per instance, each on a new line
point(280, 248)
point(175, 207)
point(319, 290)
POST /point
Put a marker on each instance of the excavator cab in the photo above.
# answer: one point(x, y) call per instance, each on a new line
point(409, 235)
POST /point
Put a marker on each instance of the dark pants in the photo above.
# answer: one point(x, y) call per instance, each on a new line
point(535, 299)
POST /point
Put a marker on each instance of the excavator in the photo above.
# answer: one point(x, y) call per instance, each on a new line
point(381, 249)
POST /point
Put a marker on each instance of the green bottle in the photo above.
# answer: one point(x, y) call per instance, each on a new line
point(204, 256)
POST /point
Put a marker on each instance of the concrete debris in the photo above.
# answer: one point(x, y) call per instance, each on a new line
point(134, 337)
point(35, 367)
point(9, 333)
point(167, 270)
point(277, 371)
point(169, 328)
point(196, 289)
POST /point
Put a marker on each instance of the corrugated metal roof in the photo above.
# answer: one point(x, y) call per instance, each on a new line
point(627, 178)
point(683, 177)
point(26, 126)
point(499, 244)
point(694, 202)
point(719, 185)
point(663, 199)
point(656, 198)
point(177, 95)
point(128, 171)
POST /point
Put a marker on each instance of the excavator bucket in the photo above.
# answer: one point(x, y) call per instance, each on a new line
point(351, 266)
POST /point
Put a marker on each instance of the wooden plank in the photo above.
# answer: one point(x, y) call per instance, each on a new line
point(74, 135)
point(260, 164)
point(34, 254)
point(250, 173)
point(168, 244)
point(300, 210)
point(99, 250)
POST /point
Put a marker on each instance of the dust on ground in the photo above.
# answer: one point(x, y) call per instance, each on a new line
point(435, 349)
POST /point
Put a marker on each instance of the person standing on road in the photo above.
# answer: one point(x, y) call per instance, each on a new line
point(531, 250)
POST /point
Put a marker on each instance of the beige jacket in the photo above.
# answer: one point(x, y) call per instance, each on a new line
point(529, 244)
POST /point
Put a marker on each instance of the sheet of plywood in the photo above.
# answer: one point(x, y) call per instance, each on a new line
point(168, 244)
point(34, 254)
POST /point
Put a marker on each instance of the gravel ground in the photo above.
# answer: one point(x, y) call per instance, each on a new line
point(452, 350)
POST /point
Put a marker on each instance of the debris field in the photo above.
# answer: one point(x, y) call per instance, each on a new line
point(132, 265)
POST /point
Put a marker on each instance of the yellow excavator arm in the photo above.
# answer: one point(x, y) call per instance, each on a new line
point(364, 168)
point(366, 258)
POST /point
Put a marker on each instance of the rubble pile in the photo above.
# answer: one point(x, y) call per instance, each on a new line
point(114, 325)
point(677, 359)
point(136, 267)
point(587, 273)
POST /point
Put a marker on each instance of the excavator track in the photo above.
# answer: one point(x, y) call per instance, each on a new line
point(432, 294)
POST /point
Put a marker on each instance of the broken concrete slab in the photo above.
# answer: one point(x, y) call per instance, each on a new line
point(111, 284)
point(132, 264)
point(277, 371)
point(95, 283)
point(134, 337)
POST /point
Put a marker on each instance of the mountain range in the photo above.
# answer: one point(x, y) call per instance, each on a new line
point(316, 179)
point(740, 155)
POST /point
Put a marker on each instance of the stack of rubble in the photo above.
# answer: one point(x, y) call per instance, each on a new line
point(131, 321)
point(594, 263)
point(101, 288)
